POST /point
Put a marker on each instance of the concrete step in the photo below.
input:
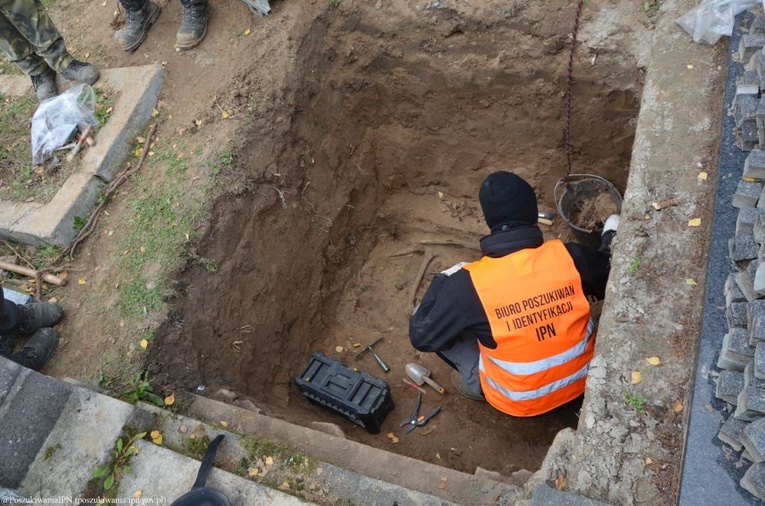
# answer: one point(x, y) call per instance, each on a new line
point(396, 470)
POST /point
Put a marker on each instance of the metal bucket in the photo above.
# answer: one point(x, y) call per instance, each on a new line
point(577, 189)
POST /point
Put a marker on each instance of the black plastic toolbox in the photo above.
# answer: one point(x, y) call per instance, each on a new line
point(363, 399)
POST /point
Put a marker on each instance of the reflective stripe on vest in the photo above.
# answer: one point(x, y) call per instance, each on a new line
point(540, 320)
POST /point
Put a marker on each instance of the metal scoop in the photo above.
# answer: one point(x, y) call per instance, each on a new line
point(420, 375)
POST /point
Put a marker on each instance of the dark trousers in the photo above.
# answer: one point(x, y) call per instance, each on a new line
point(10, 316)
point(30, 39)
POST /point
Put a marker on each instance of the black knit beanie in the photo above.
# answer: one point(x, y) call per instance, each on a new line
point(507, 199)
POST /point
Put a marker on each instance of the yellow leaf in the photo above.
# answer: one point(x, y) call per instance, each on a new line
point(703, 175)
point(223, 424)
point(170, 400)
point(440, 195)
point(137, 494)
point(678, 407)
point(637, 377)
point(653, 360)
point(284, 486)
point(690, 281)
point(169, 116)
point(438, 456)
point(110, 233)
point(81, 281)
point(560, 482)
point(339, 349)
point(224, 114)
point(144, 343)
point(198, 122)
point(648, 461)
point(695, 222)
point(140, 139)
point(392, 437)
point(154, 113)
point(252, 472)
point(269, 461)
point(156, 437)
point(689, 67)
point(247, 31)
point(748, 179)
point(143, 249)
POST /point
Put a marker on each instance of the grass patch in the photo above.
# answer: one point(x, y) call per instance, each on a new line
point(16, 173)
point(295, 460)
point(198, 446)
point(51, 450)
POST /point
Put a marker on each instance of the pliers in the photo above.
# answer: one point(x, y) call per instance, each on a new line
point(417, 420)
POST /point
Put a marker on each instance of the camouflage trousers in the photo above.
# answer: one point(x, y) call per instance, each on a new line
point(30, 39)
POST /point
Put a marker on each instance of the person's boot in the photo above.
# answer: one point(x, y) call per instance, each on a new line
point(38, 350)
point(462, 387)
point(45, 84)
point(137, 25)
point(36, 315)
point(81, 72)
point(196, 14)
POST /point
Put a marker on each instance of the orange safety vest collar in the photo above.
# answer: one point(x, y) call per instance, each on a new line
point(540, 320)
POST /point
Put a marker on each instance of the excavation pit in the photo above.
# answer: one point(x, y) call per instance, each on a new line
point(364, 188)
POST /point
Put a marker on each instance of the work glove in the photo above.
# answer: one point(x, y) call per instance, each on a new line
point(454, 268)
point(612, 223)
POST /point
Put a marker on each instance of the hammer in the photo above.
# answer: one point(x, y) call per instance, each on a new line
point(371, 350)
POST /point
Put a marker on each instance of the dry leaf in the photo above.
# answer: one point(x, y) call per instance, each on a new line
point(144, 343)
point(648, 461)
point(110, 233)
point(137, 494)
point(703, 175)
point(689, 66)
point(690, 281)
point(269, 461)
point(224, 114)
point(198, 122)
point(748, 179)
point(695, 222)
point(252, 472)
point(223, 424)
point(170, 400)
point(284, 486)
point(637, 377)
point(678, 406)
point(392, 437)
point(653, 360)
point(442, 483)
point(81, 281)
point(143, 249)
point(339, 349)
point(154, 113)
point(247, 31)
point(63, 274)
point(156, 437)
point(438, 456)
point(440, 195)
point(560, 482)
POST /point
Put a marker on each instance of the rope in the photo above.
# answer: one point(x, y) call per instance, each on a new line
point(569, 85)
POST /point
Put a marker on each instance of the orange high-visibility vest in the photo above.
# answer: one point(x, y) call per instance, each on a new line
point(540, 320)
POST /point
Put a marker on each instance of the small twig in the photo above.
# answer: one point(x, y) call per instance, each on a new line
point(428, 242)
point(407, 253)
point(19, 255)
point(281, 196)
point(664, 204)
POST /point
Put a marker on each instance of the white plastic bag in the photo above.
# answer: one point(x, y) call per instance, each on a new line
point(712, 19)
point(56, 118)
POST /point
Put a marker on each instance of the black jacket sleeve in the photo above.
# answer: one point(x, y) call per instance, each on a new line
point(593, 267)
point(449, 307)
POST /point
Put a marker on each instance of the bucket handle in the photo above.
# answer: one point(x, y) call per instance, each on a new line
point(564, 182)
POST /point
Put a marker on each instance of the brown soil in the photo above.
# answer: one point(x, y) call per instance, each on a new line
point(364, 134)
point(591, 212)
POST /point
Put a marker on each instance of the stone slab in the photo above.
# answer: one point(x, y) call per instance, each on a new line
point(547, 495)
point(730, 432)
point(82, 440)
point(29, 410)
point(754, 480)
point(753, 439)
point(137, 91)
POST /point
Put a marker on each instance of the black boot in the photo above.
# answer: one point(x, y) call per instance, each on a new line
point(36, 315)
point(38, 350)
point(81, 72)
point(45, 84)
point(137, 24)
point(196, 14)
